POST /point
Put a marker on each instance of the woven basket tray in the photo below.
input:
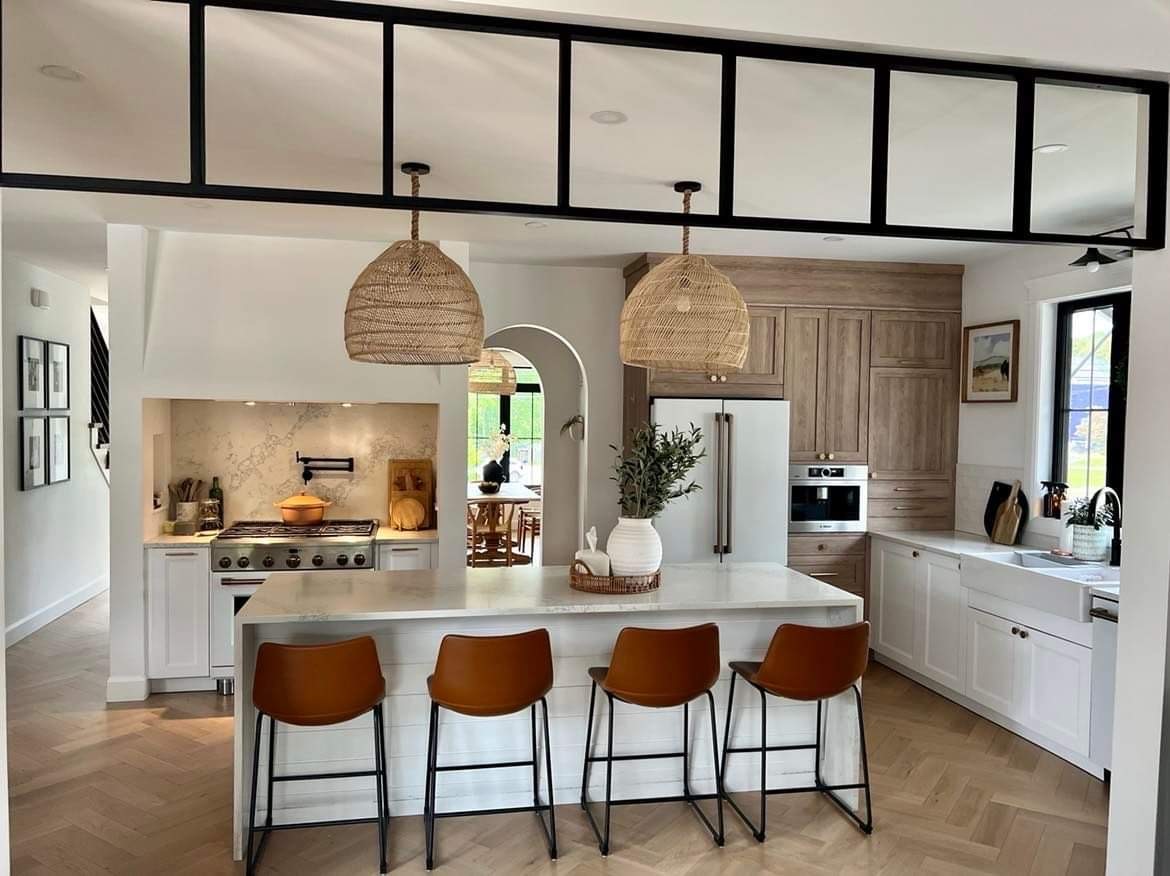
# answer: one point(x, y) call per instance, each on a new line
point(581, 579)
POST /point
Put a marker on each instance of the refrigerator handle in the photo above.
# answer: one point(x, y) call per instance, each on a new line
point(729, 456)
point(718, 483)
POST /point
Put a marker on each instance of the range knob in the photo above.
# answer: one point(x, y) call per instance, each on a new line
point(293, 561)
point(267, 562)
point(826, 472)
point(318, 560)
point(225, 562)
point(243, 562)
point(359, 559)
point(342, 559)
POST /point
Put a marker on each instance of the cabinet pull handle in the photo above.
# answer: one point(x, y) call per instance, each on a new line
point(412, 550)
point(911, 361)
point(907, 489)
point(180, 553)
point(240, 582)
point(823, 574)
point(907, 507)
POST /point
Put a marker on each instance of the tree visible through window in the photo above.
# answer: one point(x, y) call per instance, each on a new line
point(1092, 358)
point(520, 416)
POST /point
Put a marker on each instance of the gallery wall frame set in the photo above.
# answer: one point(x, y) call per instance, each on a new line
point(991, 362)
point(43, 402)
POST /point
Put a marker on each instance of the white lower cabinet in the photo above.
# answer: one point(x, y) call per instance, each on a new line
point(178, 612)
point(401, 557)
point(917, 610)
point(993, 665)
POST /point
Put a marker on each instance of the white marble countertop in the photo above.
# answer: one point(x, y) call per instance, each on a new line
point(947, 543)
point(203, 539)
point(386, 534)
point(527, 590)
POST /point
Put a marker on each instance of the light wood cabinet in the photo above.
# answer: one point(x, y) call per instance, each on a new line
point(762, 375)
point(837, 559)
point(914, 432)
point(178, 610)
point(914, 339)
point(827, 368)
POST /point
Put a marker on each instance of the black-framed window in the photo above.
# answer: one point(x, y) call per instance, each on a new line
point(519, 416)
point(1092, 362)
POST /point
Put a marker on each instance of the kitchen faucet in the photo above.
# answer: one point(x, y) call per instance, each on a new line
point(1115, 548)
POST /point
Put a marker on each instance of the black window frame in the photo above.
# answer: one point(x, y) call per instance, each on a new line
point(1121, 302)
point(505, 425)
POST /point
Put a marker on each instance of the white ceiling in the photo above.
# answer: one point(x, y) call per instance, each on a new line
point(296, 101)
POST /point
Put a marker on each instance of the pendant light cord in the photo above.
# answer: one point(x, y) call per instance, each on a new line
point(414, 188)
point(686, 232)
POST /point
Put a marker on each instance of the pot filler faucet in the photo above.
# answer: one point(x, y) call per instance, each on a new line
point(1111, 497)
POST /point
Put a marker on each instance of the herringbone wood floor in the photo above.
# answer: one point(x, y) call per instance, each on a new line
point(146, 788)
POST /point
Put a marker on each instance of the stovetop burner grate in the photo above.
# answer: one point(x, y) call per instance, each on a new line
point(276, 529)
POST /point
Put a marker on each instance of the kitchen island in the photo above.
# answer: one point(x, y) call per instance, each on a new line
point(409, 612)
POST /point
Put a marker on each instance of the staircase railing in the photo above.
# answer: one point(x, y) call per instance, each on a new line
point(99, 397)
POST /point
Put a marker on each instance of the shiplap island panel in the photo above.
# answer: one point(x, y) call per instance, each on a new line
point(409, 612)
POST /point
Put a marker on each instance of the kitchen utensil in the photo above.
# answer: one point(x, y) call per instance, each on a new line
point(413, 480)
point(999, 492)
point(302, 509)
point(1007, 519)
point(187, 512)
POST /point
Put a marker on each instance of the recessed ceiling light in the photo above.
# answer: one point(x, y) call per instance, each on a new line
point(609, 117)
point(535, 223)
point(60, 71)
point(833, 238)
point(1050, 148)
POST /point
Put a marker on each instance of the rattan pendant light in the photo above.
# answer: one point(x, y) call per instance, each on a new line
point(492, 374)
point(684, 315)
point(413, 305)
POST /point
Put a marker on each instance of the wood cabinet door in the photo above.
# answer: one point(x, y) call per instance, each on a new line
point(914, 340)
point(846, 403)
point(912, 428)
point(993, 676)
point(941, 599)
point(806, 340)
point(762, 375)
point(893, 589)
point(178, 613)
point(1055, 696)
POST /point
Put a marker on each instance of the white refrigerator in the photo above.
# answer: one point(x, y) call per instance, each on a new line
point(741, 512)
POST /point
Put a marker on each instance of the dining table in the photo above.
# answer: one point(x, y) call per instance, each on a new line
point(490, 515)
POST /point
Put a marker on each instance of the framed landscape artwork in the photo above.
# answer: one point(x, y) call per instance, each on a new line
point(32, 453)
point(57, 377)
point(32, 374)
point(991, 354)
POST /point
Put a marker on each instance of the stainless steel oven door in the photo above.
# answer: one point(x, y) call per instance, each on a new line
point(229, 592)
point(817, 505)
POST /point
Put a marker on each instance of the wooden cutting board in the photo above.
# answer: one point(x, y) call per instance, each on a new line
point(1007, 519)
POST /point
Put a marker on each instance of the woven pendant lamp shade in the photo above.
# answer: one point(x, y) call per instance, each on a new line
point(413, 305)
point(492, 374)
point(685, 315)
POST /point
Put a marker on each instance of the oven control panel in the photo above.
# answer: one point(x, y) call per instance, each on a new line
point(236, 556)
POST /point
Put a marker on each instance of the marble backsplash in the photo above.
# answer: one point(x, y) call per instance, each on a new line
point(252, 449)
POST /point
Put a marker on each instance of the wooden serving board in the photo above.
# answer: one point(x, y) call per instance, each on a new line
point(412, 479)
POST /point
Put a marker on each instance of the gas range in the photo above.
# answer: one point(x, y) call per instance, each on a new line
point(268, 545)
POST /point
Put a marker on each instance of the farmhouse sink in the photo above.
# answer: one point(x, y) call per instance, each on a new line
point(1037, 579)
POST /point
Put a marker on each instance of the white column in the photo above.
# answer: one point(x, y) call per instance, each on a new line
point(127, 254)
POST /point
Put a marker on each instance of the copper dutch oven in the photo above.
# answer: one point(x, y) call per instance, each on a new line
point(302, 509)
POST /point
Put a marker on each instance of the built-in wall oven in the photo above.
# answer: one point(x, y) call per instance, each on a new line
point(827, 498)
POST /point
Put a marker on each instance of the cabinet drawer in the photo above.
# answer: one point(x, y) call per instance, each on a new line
point(914, 340)
point(813, 546)
point(846, 573)
point(910, 507)
point(908, 490)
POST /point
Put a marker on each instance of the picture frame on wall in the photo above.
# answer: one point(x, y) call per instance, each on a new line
point(991, 359)
point(57, 376)
point(31, 371)
point(57, 442)
point(33, 465)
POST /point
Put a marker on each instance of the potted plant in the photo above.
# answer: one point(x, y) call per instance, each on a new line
point(1090, 541)
point(651, 474)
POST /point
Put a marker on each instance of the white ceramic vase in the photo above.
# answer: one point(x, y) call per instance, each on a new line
point(1089, 543)
point(634, 547)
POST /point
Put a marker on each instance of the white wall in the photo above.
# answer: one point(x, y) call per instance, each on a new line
point(57, 535)
point(5, 476)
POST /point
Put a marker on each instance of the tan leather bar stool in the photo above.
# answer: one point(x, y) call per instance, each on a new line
point(311, 686)
point(489, 676)
point(657, 669)
point(805, 663)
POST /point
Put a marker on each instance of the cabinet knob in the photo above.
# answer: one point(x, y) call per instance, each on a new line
point(1023, 634)
point(714, 378)
point(914, 554)
point(722, 378)
point(831, 456)
point(1015, 631)
point(820, 547)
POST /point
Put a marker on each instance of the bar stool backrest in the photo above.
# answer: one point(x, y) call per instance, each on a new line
point(814, 663)
point(312, 685)
point(664, 668)
point(492, 675)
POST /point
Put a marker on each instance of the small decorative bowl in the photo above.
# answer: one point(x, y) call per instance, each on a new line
point(488, 487)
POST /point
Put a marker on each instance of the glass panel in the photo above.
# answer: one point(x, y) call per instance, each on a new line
point(293, 101)
point(473, 467)
point(825, 503)
point(952, 140)
point(667, 127)
point(488, 422)
point(481, 109)
point(537, 416)
point(521, 416)
point(1088, 160)
point(74, 101)
point(803, 136)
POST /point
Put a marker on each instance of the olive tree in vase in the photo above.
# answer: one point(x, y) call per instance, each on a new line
point(650, 474)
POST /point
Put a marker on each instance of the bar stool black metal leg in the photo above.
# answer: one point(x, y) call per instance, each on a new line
point(271, 767)
point(588, 742)
point(251, 863)
point(686, 746)
point(378, 790)
point(608, 779)
point(719, 838)
point(727, 724)
point(868, 825)
point(385, 769)
point(763, 831)
point(535, 764)
point(817, 750)
point(429, 802)
point(552, 812)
